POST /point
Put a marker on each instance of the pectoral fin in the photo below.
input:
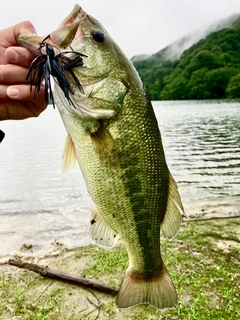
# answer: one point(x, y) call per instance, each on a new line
point(100, 231)
point(106, 146)
point(69, 155)
point(174, 211)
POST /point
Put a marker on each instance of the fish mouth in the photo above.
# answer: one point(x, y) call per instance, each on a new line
point(62, 37)
point(76, 14)
point(69, 29)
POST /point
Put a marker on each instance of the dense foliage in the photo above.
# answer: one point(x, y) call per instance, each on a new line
point(210, 69)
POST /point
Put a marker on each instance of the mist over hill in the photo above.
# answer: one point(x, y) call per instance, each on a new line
point(174, 50)
point(208, 69)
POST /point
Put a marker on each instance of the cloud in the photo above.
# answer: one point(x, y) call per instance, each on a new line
point(137, 26)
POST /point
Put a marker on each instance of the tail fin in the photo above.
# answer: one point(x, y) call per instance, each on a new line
point(158, 290)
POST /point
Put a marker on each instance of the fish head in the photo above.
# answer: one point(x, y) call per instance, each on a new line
point(82, 33)
point(102, 62)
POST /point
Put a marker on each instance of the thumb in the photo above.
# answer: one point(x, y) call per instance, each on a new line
point(25, 27)
point(10, 35)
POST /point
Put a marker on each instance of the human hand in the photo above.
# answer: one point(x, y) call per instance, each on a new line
point(16, 100)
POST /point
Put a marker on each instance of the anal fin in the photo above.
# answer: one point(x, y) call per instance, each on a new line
point(100, 231)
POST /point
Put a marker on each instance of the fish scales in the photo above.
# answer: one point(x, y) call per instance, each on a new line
point(114, 135)
point(126, 193)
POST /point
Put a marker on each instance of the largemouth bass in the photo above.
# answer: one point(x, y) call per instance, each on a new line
point(114, 135)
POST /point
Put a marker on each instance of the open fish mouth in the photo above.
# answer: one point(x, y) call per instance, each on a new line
point(76, 15)
point(69, 28)
point(60, 38)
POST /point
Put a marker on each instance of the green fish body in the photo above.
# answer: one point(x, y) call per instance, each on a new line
point(114, 135)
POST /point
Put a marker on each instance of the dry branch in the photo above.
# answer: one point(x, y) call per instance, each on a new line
point(66, 277)
point(204, 218)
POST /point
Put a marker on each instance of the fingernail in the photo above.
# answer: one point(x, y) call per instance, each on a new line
point(12, 92)
point(12, 55)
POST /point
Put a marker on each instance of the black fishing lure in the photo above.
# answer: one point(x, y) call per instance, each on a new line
point(2, 135)
point(47, 63)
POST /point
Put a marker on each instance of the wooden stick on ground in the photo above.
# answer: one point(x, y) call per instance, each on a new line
point(66, 277)
point(203, 218)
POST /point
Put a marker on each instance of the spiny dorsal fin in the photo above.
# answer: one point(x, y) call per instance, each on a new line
point(174, 211)
point(100, 231)
point(69, 155)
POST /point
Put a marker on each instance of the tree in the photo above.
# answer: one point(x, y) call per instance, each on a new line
point(204, 59)
point(233, 88)
point(174, 90)
point(196, 86)
point(216, 81)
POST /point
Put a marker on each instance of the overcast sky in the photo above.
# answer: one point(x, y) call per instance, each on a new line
point(137, 26)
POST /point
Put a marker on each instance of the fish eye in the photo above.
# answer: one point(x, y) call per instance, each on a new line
point(98, 36)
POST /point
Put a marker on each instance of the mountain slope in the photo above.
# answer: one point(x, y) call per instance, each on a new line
point(174, 50)
point(208, 69)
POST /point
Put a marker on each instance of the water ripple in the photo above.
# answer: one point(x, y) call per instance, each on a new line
point(202, 145)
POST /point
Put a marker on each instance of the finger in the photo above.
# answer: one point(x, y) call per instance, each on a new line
point(3, 93)
point(22, 92)
point(21, 103)
point(12, 33)
point(20, 110)
point(19, 56)
point(12, 74)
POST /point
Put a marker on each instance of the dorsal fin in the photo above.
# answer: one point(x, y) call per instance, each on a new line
point(174, 211)
point(69, 155)
point(100, 231)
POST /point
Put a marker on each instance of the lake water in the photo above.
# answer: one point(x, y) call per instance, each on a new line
point(42, 206)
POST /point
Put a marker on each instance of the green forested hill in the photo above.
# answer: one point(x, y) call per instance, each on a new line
point(210, 69)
